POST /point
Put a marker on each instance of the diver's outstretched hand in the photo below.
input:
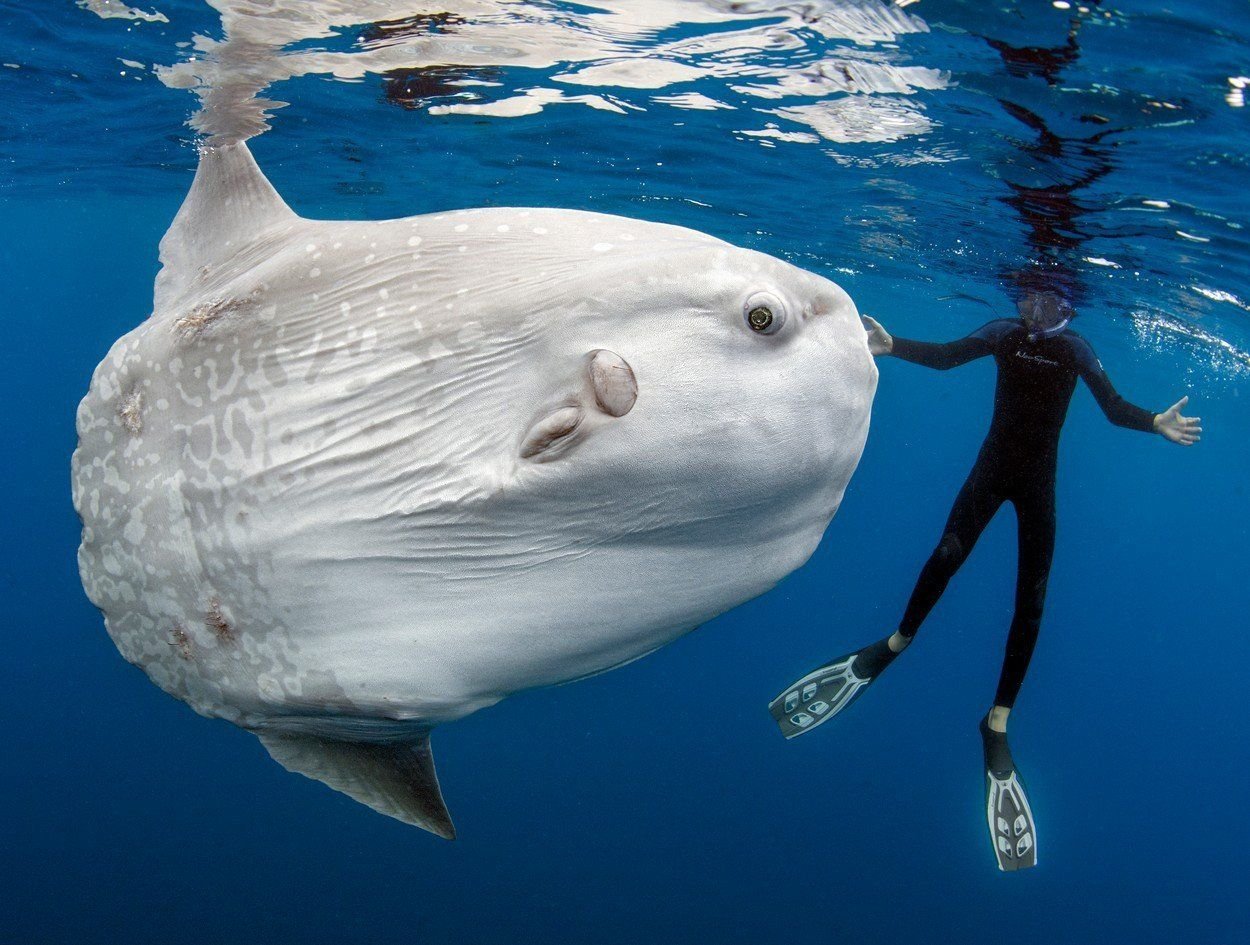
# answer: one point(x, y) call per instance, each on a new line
point(1171, 424)
point(879, 340)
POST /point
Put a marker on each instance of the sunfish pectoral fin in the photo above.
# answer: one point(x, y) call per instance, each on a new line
point(394, 778)
point(607, 389)
point(612, 381)
point(231, 205)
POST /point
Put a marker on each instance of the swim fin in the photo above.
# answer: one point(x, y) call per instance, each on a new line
point(824, 692)
point(1007, 811)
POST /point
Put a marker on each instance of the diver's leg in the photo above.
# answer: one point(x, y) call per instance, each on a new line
point(827, 690)
point(1036, 516)
point(1008, 815)
point(975, 505)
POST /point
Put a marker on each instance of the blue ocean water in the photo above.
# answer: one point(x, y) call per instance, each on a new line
point(931, 157)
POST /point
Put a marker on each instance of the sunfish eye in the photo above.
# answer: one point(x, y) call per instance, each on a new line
point(760, 318)
point(765, 313)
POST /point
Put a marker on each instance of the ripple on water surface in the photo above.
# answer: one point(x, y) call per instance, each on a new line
point(972, 152)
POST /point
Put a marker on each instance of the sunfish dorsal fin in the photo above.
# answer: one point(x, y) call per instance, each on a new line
point(396, 779)
point(230, 206)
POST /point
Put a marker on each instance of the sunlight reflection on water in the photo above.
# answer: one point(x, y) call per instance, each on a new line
point(997, 146)
point(766, 51)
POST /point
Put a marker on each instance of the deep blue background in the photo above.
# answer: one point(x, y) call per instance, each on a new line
point(657, 803)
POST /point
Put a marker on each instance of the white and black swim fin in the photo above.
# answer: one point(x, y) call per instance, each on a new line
point(1007, 812)
point(826, 691)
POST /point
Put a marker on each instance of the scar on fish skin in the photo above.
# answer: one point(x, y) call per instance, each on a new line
point(131, 412)
point(181, 641)
point(207, 314)
point(216, 621)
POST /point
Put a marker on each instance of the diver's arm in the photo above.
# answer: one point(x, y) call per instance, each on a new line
point(930, 354)
point(1118, 410)
point(1169, 424)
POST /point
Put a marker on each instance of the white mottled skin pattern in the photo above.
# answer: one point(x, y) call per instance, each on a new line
point(303, 498)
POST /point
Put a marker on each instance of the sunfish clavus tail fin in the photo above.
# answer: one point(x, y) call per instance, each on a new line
point(230, 207)
point(394, 778)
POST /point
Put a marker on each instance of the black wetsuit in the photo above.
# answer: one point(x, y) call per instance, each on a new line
point(1016, 464)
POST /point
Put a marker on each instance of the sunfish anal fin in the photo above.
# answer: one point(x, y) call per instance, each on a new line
point(231, 205)
point(394, 778)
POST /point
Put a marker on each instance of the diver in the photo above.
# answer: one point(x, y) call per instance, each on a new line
point(1039, 359)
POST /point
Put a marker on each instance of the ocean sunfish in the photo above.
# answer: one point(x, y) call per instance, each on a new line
point(354, 479)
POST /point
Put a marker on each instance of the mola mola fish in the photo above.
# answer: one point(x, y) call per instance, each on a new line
point(352, 480)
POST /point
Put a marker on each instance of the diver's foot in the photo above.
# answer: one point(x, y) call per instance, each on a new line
point(826, 691)
point(1007, 811)
point(997, 719)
